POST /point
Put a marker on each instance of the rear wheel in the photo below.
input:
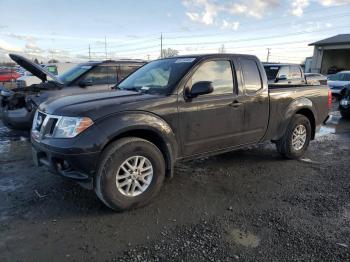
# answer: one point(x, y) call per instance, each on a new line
point(296, 139)
point(130, 174)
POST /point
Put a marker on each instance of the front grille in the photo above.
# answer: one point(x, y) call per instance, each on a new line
point(44, 125)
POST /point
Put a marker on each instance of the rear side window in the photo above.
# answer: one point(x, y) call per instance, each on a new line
point(251, 76)
point(218, 72)
point(112, 74)
point(295, 72)
point(97, 75)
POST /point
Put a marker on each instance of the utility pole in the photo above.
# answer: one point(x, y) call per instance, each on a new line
point(268, 54)
point(147, 57)
point(161, 45)
point(89, 53)
point(106, 46)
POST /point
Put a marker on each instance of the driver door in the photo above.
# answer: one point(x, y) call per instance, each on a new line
point(213, 121)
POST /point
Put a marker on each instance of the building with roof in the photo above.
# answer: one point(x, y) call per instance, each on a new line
point(331, 54)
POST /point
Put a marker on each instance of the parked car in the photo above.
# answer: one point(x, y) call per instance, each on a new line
point(284, 74)
point(315, 79)
point(344, 104)
point(28, 79)
point(19, 105)
point(7, 75)
point(339, 82)
point(123, 144)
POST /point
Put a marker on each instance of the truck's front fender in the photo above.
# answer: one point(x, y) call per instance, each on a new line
point(124, 123)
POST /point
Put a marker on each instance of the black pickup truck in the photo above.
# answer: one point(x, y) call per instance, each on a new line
point(123, 144)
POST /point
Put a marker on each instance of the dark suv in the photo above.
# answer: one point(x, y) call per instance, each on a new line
point(18, 105)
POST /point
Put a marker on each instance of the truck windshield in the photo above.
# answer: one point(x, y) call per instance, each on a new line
point(157, 77)
point(73, 73)
point(271, 72)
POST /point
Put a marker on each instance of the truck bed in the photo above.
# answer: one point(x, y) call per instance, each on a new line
point(282, 98)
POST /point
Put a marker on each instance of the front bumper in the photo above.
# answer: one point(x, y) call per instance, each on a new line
point(77, 166)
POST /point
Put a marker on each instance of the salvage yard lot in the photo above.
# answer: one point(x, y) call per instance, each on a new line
point(248, 205)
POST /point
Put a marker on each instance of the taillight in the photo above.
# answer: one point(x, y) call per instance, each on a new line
point(329, 99)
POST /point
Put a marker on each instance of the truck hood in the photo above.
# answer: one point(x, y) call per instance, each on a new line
point(35, 69)
point(82, 104)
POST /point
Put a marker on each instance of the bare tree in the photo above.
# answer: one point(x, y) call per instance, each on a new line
point(169, 52)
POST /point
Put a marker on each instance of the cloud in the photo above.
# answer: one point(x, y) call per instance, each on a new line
point(207, 11)
point(334, 2)
point(21, 37)
point(229, 25)
point(298, 6)
point(8, 47)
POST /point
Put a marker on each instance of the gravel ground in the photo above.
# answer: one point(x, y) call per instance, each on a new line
point(248, 205)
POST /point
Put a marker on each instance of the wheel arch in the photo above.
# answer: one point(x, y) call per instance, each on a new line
point(146, 126)
point(303, 106)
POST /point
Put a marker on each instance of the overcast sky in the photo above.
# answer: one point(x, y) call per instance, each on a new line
point(64, 29)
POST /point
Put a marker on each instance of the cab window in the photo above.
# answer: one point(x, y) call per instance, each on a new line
point(251, 76)
point(295, 72)
point(284, 72)
point(218, 72)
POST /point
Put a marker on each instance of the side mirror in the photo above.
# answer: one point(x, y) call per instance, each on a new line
point(85, 83)
point(200, 88)
point(281, 77)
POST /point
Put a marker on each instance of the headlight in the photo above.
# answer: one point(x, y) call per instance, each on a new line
point(68, 127)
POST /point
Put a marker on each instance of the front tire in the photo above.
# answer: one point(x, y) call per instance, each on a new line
point(296, 139)
point(130, 173)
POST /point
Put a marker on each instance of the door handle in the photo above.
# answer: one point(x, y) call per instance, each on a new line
point(289, 82)
point(236, 104)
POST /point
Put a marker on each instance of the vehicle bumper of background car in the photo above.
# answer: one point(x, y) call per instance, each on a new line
point(19, 118)
point(65, 162)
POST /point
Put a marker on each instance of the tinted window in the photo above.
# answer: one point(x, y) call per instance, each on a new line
point(251, 75)
point(271, 72)
point(340, 77)
point(97, 75)
point(295, 72)
point(112, 74)
point(218, 72)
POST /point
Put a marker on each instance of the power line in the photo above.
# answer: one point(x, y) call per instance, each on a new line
point(258, 38)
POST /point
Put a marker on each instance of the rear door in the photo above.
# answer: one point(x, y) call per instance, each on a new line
point(212, 121)
point(256, 100)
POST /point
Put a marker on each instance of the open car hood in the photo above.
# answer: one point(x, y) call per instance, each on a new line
point(35, 69)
